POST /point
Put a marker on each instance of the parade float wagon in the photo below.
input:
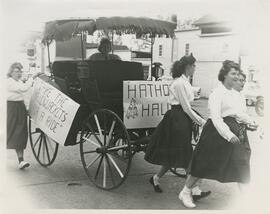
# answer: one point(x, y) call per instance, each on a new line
point(105, 107)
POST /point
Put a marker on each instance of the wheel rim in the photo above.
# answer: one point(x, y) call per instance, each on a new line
point(259, 108)
point(105, 149)
point(44, 148)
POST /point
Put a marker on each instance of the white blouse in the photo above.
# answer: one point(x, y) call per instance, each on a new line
point(16, 89)
point(181, 93)
point(224, 102)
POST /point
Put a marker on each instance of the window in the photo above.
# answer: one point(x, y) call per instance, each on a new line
point(214, 30)
point(160, 50)
point(187, 49)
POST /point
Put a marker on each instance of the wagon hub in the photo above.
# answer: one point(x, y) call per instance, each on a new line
point(102, 150)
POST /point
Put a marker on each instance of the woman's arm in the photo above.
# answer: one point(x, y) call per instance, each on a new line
point(18, 86)
point(214, 103)
point(181, 93)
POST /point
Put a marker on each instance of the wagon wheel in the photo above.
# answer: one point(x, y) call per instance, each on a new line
point(43, 147)
point(259, 106)
point(105, 149)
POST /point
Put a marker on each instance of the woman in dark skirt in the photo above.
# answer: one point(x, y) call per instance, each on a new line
point(170, 144)
point(223, 151)
point(16, 112)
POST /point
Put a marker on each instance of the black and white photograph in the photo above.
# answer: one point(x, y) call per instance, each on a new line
point(134, 106)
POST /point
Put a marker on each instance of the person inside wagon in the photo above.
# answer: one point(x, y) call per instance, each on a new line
point(104, 48)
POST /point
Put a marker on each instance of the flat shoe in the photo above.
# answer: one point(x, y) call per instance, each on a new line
point(156, 187)
point(202, 195)
point(23, 164)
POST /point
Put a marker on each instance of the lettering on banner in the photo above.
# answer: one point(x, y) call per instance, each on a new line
point(52, 110)
point(145, 103)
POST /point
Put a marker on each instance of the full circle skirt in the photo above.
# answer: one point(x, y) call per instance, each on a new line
point(170, 144)
point(216, 158)
point(16, 125)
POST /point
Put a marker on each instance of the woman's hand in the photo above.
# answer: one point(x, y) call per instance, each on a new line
point(235, 140)
point(37, 74)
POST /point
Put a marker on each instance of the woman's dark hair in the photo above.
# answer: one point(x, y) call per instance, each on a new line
point(242, 74)
point(227, 65)
point(179, 67)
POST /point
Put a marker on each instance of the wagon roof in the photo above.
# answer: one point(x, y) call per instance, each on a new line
point(61, 30)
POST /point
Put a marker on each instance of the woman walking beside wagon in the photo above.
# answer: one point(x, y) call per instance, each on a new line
point(170, 145)
point(223, 151)
point(16, 112)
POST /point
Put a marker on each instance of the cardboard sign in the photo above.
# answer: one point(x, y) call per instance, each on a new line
point(145, 103)
point(52, 111)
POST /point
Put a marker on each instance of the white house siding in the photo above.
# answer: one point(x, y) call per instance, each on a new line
point(166, 57)
point(210, 52)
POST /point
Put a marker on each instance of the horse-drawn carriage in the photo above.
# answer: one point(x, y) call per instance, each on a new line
point(106, 145)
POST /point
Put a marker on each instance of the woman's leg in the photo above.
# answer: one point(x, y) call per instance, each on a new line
point(155, 179)
point(191, 181)
point(162, 171)
point(19, 154)
point(22, 164)
point(185, 195)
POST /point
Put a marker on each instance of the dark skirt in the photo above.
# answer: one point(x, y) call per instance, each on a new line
point(216, 158)
point(170, 144)
point(16, 125)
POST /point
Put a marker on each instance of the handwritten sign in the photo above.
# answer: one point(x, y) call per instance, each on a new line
point(145, 103)
point(52, 111)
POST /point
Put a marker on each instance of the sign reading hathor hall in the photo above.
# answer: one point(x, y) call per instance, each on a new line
point(52, 111)
point(145, 103)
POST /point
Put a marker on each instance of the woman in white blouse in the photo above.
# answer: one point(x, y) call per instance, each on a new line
point(223, 150)
point(16, 112)
point(170, 144)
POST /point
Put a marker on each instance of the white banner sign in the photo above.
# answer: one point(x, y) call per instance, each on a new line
point(145, 103)
point(52, 111)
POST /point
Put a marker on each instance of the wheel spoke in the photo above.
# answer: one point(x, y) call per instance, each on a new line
point(90, 152)
point(93, 161)
point(104, 173)
point(90, 141)
point(105, 129)
point(117, 148)
point(110, 169)
point(39, 145)
point(47, 149)
point(37, 141)
point(118, 157)
point(99, 129)
point(49, 143)
point(111, 130)
point(98, 167)
point(43, 150)
point(115, 165)
point(91, 129)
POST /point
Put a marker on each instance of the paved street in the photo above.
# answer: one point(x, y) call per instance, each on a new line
point(64, 185)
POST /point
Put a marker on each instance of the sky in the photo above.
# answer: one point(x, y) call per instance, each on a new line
point(19, 17)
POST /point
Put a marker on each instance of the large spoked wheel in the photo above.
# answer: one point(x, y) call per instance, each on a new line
point(105, 149)
point(44, 148)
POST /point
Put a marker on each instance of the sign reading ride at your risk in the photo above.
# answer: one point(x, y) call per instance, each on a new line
point(145, 103)
point(52, 111)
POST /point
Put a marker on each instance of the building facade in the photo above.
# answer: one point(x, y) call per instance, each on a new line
point(210, 41)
